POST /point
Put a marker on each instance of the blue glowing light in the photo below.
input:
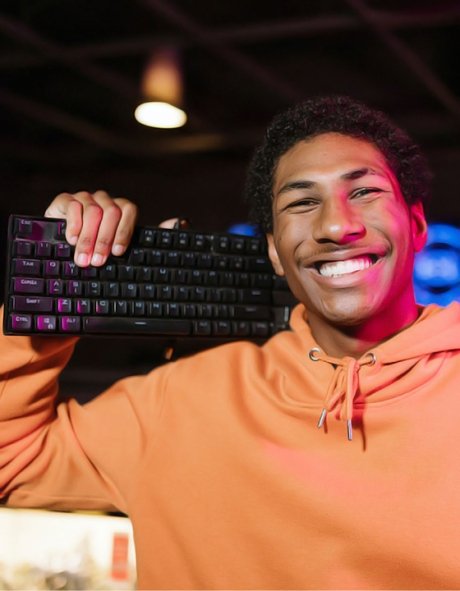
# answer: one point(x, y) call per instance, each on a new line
point(244, 229)
point(437, 266)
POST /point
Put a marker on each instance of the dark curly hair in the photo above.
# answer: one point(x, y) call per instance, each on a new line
point(338, 114)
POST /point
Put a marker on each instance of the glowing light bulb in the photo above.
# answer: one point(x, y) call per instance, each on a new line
point(160, 114)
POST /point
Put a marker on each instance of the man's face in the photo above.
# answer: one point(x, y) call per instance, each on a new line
point(343, 234)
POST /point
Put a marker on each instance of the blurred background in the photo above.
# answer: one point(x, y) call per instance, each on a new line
point(73, 72)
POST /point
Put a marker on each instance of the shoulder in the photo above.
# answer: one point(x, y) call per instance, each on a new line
point(241, 359)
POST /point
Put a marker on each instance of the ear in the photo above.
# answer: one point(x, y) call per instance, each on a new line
point(419, 225)
point(273, 255)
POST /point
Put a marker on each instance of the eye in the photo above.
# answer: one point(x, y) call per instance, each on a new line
point(365, 191)
point(302, 203)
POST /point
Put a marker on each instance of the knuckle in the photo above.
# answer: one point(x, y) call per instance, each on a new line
point(94, 209)
point(131, 208)
point(103, 243)
point(85, 242)
point(126, 205)
point(113, 211)
point(122, 236)
point(86, 195)
point(101, 193)
point(64, 195)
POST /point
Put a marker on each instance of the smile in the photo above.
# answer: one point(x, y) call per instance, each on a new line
point(339, 268)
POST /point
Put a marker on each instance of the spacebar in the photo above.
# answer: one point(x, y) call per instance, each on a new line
point(152, 326)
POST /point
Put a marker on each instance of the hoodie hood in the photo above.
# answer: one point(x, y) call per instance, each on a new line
point(396, 367)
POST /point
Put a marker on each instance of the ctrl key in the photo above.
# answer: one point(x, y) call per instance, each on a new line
point(20, 322)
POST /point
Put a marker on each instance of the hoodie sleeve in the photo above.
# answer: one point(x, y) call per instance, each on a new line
point(68, 456)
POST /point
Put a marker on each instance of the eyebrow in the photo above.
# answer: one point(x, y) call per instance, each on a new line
point(358, 173)
point(351, 175)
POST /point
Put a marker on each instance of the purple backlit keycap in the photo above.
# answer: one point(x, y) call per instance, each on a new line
point(28, 285)
point(46, 323)
point(31, 304)
point(70, 324)
point(21, 322)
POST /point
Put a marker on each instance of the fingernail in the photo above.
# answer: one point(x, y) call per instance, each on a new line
point(117, 249)
point(82, 260)
point(97, 259)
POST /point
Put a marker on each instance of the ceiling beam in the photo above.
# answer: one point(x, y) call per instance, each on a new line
point(18, 31)
point(244, 35)
point(410, 58)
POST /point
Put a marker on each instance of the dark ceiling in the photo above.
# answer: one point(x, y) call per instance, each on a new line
point(70, 75)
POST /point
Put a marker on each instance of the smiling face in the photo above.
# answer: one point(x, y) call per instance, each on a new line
point(344, 236)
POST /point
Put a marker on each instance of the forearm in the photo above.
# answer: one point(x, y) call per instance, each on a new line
point(29, 370)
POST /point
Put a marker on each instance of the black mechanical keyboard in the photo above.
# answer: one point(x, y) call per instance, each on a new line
point(170, 283)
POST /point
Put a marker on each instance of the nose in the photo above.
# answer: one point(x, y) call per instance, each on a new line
point(338, 222)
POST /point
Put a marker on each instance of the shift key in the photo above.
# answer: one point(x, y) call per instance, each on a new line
point(28, 285)
point(31, 304)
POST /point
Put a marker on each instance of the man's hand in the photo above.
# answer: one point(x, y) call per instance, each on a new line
point(97, 224)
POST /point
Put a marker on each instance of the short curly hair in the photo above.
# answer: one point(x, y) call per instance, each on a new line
point(339, 114)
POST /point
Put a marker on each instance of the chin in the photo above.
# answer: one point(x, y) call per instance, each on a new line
point(347, 313)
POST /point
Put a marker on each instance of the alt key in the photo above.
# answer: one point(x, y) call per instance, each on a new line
point(70, 324)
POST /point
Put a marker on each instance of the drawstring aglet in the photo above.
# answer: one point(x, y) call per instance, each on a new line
point(322, 418)
point(349, 430)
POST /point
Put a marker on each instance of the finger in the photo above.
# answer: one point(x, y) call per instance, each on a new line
point(170, 223)
point(125, 226)
point(107, 229)
point(66, 206)
point(58, 207)
point(91, 219)
point(176, 224)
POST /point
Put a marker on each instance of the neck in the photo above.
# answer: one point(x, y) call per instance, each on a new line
point(354, 341)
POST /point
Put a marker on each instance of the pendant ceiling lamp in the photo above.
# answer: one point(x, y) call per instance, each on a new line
point(162, 85)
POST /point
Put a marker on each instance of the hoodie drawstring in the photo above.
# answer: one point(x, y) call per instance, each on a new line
point(343, 386)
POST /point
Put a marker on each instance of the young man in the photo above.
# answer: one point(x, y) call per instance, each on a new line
point(217, 458)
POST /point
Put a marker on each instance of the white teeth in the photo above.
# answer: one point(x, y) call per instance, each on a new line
point(344, 267)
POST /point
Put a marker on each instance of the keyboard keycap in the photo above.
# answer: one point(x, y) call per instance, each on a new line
point(23, 248)
point(28, 285)
point(70, 324)
point(43, 249)
point(55, 287)
point(254, 296)
point(221, 328)
point(136, 326)
point(241, 328)
point(46, 323)
point(202, 327)
point(32, 304)
point(24, 227)
point(52, 268)
point(64, 305)
point(21, 322)
point(260, 329)
point(250, 312)
point(26, 267)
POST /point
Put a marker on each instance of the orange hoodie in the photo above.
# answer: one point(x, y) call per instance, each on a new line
point(229, 484)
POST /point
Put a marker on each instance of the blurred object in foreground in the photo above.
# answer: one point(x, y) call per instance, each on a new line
point(51, 550)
